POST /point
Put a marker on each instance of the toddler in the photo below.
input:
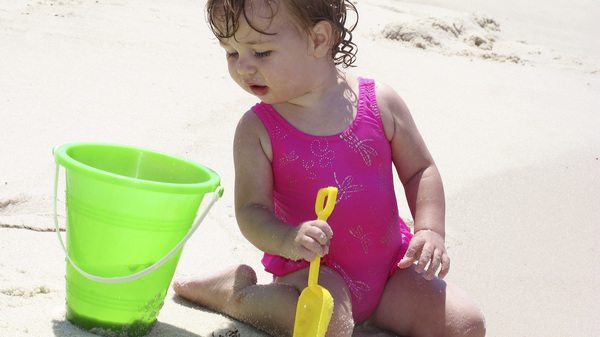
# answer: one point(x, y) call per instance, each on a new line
point(318, 126)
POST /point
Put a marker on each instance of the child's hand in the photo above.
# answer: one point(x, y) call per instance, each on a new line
point(307, 240)
point(427, 247)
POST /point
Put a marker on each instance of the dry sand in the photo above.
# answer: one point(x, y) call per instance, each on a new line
point(506, 95)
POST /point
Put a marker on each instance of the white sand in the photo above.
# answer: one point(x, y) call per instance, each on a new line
point(506, 95)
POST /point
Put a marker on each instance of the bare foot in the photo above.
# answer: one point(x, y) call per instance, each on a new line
point(217, 292)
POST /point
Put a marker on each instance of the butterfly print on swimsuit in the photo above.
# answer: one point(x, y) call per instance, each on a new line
point(363, 237)
point(358, 288)
point(288, 158)
point(360, 146)
point(346, 187)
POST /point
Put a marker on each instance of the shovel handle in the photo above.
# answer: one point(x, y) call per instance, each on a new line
point(323, 213)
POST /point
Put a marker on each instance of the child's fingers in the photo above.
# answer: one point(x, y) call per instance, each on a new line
point(445, 266)
point(440, 261)
point(424, 259)
point(434, 265)
point(324, 227)
point(314, 240)
point(321, 233)
point(429, 254)
point(412, 253)
point(308, 249)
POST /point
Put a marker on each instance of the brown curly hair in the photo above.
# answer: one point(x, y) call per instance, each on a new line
point(223, 18)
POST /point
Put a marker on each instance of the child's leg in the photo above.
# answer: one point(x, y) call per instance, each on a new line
point(413, 306)
point(342, 322)
point(270, 307)
point(234, 292)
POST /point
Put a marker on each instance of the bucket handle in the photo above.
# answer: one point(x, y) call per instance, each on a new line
point(122, 279)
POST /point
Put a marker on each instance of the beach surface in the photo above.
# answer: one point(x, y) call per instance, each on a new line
point(506, 95)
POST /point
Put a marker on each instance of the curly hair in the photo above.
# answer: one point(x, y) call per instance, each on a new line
point(223, 18)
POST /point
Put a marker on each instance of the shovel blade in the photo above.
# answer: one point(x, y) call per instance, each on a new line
point(313, 313)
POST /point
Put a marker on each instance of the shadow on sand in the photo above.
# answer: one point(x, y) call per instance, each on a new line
point(65, 328)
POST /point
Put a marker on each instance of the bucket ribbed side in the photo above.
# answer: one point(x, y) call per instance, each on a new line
point(127, 208)
point(112, 218)
point(129, 309)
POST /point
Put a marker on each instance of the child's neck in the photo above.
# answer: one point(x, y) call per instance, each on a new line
point(328, 108)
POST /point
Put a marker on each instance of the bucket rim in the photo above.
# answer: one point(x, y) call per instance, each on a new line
point(62, 157)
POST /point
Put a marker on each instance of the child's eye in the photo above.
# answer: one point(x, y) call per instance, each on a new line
point(230, 55)
point(263, 54)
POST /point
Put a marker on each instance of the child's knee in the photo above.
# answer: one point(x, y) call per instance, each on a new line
point(478, 326)
point(473, 324)
point(342, 322)
point(467, 320)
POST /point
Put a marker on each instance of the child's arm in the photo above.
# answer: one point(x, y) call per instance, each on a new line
point(422, 185)
point(254, 199)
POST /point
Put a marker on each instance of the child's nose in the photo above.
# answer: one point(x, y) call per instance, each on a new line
point(245, 66)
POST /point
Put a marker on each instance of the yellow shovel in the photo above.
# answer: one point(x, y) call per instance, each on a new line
point(315, 304)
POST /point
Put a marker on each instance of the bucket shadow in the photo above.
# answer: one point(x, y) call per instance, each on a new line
point(234, 328)
point(65, 328)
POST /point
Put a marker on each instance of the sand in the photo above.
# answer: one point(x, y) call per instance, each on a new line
point(506, 95)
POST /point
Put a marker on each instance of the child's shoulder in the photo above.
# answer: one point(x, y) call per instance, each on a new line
point(391, 106)
point(388, 99)
point(250, 121)
point(251, 135)
point(385, 94)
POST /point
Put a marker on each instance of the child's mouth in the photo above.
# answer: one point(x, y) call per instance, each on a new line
point(259, 90)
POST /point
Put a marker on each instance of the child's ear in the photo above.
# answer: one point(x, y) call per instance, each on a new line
point(322, 38)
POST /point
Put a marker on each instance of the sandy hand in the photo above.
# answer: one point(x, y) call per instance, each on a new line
point(427, 248)
point(307, 240)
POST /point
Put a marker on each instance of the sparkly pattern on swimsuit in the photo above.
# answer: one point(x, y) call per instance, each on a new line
point(369, 237)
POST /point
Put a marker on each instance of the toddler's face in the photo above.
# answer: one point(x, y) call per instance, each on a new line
point(271, 66)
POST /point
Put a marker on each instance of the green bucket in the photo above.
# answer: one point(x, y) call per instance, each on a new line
point(129, 212)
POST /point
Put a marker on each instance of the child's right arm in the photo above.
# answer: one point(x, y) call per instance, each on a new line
point(254, 199)
point(422, 186)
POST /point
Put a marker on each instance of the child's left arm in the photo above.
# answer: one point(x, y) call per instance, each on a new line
point(422, 185)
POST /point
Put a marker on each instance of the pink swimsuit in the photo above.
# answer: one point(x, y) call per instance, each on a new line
point(369, 238)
